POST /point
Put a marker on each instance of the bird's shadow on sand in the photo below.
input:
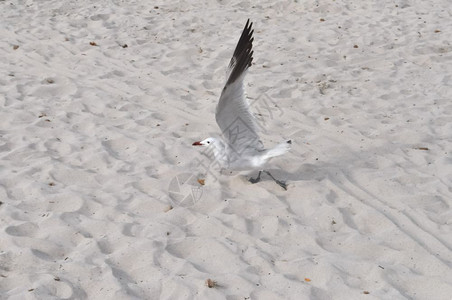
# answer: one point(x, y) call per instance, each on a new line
point(306, 172)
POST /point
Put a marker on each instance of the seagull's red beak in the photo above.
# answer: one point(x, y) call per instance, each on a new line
point(197, 144)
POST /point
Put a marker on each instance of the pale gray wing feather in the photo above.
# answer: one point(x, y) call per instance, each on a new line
point(233, 114)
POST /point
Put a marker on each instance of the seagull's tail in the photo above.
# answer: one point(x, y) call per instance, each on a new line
point(279, 149)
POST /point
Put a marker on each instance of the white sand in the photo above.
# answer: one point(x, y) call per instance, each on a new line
point(93, 137)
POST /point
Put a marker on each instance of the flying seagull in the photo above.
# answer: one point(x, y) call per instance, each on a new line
point(241, 149)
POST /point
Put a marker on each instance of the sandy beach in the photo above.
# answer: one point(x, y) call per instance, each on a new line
point(103, 196)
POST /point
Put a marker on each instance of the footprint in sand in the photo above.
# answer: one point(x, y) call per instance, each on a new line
point(120, 148)
point(27, 229)
point(66, 203)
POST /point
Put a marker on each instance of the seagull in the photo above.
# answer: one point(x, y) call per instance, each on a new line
point(241, 149)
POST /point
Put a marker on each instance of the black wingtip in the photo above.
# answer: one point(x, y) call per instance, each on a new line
point(243, 53)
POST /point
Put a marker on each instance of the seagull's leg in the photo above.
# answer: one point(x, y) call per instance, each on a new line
point(257, 179)
point(280, 183)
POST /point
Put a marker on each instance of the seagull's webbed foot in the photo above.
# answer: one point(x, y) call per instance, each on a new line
point(257, 179)
point(282, 184)
point(279, 182)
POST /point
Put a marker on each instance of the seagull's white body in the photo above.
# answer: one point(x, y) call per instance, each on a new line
point(241, 148)
point(250, 159)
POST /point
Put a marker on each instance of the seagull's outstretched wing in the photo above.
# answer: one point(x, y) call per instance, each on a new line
point(233, 114)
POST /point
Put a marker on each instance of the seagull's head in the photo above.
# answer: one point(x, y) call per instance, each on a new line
point(206, 143)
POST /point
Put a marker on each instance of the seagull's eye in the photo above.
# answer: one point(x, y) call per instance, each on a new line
point(208, 142)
